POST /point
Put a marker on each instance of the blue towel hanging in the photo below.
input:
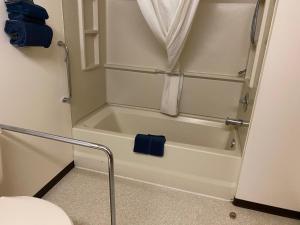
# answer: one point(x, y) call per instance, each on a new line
point(28, 34)
point(27, 8)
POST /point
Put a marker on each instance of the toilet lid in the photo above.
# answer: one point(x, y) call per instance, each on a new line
point(31, 211)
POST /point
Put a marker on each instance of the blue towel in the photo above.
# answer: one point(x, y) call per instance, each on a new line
point(12, 1)
point(28, 9)
point(28, 34)
point(16, 16)
point(149, 144)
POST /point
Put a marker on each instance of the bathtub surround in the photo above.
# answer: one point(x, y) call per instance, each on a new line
point(170, 21)
point(211, 87)
point(88, 86)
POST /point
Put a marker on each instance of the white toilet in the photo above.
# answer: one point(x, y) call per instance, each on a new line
point(31, 211)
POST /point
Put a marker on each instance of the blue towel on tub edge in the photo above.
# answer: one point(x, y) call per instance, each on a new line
point(28, 34)
point(149, 144)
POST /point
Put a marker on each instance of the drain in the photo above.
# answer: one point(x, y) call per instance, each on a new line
point(232, 215)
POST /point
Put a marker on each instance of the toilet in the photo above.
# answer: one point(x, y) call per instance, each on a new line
point(31, 211)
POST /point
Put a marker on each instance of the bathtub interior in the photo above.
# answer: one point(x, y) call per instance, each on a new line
point(184, 130)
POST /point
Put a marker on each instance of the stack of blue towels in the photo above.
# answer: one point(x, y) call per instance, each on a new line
point(26, 25)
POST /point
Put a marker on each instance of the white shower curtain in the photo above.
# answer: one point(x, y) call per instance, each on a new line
point(170, 21)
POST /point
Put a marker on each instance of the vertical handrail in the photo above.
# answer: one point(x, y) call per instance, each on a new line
point(67, 61)
point(72, 141)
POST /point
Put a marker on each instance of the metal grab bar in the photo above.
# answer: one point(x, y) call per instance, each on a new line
point(254, 23)
point(189, 74)
point(236, 122)
point(67, 61)
point(102, 148)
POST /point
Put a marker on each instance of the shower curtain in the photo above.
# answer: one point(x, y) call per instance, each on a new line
point(170, 21)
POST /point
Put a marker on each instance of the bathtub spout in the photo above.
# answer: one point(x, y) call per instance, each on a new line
point(236, 122)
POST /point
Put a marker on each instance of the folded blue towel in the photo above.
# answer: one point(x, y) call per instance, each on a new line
point(28, 34)
point(27, 8)
point(16, 16)
point(149, 144)
point(12, 1)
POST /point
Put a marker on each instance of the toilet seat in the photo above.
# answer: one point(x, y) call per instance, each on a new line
point(31, 211)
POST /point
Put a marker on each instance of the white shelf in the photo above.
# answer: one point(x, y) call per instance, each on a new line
point(91, 31)
point(88, 11)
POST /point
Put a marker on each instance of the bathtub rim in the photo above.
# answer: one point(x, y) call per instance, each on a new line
point(183, 117)
point(90, 122)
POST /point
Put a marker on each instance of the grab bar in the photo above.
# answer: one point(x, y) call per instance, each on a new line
point(196, 75)
point(235, 122)
point(102, 148)
point(67, 61)
point(254, 24)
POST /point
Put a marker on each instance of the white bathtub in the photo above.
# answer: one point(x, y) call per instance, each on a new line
point(198, 156)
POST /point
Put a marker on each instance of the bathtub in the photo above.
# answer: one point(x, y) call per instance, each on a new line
point(201, 156)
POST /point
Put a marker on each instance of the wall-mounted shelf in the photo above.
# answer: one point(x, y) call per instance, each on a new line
point(96, 32)
point(88, 11)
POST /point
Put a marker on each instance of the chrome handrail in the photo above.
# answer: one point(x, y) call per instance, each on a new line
point(236, 122)
point(72, 141)
point(67, 61)
point(254, 23)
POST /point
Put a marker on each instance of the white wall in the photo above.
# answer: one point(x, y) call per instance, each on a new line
point(33, 81)
point(218, 44)
point(270, 171)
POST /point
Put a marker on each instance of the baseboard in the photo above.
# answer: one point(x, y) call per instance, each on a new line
point(267, 209)
point(54, 181)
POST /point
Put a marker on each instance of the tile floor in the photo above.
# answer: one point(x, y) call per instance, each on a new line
point(84, 196)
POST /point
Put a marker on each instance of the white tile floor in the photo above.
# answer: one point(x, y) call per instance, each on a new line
point(84, 196)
